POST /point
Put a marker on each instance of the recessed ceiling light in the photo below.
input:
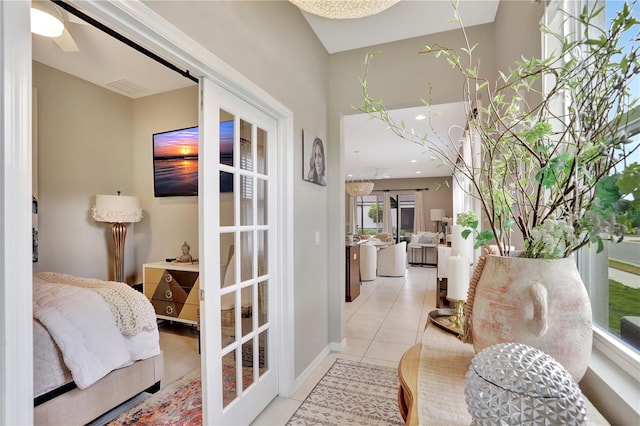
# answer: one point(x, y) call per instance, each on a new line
point(349, 175)
point(414, 161)
point(420, 117)
point(418, 172)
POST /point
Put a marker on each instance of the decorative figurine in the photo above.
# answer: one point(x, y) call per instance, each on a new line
point(186, 257)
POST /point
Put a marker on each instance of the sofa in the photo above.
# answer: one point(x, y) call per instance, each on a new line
point(423, 248)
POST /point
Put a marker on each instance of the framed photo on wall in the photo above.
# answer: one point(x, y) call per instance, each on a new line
point(314, 165)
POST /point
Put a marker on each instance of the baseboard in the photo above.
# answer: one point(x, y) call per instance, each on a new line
point(312, 367)
point(338, 347)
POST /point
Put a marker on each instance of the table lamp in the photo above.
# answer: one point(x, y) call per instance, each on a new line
point(436, 216)
point(118, 210)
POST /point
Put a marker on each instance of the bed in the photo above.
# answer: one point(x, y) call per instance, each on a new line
point(96, 345)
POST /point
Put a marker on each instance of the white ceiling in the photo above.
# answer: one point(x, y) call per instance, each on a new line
point(109, 63)
point(374, 152)
point(405, 19)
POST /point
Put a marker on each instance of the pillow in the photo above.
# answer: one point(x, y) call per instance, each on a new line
point(428, 238)
point(425, 240)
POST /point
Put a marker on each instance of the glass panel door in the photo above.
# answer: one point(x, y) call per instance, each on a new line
point(240, 376)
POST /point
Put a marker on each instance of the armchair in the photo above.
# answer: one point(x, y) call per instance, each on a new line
point(392, 260)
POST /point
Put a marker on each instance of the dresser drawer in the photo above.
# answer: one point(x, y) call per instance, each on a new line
point(173, 292)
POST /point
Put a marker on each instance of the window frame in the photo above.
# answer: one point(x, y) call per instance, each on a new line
point(609, 352)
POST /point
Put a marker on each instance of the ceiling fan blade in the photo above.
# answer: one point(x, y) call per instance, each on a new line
point(68, 17)
point(66, 42)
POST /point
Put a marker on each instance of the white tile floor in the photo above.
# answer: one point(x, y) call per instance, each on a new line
point(381, 324)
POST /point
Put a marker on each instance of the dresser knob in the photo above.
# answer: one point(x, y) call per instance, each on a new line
point(168, 294)
point(169, 310)
point(168, 278)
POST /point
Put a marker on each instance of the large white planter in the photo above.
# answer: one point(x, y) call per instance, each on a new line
point(539, 302)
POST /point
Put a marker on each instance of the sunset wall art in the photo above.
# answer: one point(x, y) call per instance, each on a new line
point(175, 161)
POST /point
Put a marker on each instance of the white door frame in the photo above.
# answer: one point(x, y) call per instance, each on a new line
point(16, 325)
point(140, 24)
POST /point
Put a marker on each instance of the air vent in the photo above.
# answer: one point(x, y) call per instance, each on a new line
point(126, 86)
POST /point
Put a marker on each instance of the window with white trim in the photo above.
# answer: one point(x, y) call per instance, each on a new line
point(612, 277)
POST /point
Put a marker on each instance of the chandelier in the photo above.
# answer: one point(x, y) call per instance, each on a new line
point(344, 9)
point(358, 188)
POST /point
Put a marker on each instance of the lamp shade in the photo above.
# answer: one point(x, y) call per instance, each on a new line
point(437, 215)
point(117, 209)
point(358, 189)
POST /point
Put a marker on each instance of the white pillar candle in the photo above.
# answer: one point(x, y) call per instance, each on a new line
point(456, 240)
point(466, 249)
point(458, 281)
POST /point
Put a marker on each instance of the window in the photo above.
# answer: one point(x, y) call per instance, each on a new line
point(612, 277)
point(369, 214)
point(614, 284)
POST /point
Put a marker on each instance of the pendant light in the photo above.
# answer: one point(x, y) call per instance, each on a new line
point(359, 188)
point(344, 9)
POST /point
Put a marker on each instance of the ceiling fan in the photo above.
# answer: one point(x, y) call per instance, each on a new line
point(63, 39)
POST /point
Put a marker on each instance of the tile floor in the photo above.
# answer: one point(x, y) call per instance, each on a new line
point(381, 324)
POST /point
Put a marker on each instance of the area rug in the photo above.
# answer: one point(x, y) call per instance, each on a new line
point(352, 393)
point(180, 403)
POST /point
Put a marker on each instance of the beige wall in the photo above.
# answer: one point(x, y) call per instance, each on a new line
point(93, 141)
point(168, 221)
point(84, 149)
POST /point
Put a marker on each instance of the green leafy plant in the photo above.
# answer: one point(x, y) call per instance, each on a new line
point(547, 163)
point(375, 213)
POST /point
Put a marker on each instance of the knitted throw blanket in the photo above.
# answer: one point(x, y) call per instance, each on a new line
point(131, 309)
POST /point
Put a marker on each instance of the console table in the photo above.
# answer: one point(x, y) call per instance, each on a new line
point(432, 377)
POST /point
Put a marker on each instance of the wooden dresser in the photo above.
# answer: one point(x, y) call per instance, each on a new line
point(173, 289)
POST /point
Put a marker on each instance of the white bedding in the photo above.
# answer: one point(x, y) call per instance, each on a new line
point(88, 343)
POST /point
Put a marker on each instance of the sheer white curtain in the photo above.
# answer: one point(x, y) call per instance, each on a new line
point(419, 224)
point(351, 217)
point(387, 225)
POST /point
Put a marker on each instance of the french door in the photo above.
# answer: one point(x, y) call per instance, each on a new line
point(238, 251)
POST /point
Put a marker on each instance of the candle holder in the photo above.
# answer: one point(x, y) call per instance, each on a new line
point(457, 319)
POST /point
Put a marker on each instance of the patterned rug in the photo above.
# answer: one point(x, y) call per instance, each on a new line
point(179, 404)
point(352, 393)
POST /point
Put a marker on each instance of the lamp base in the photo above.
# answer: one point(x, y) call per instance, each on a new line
point(119, 232)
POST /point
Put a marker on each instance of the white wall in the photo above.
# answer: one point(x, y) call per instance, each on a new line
point(168, 221)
